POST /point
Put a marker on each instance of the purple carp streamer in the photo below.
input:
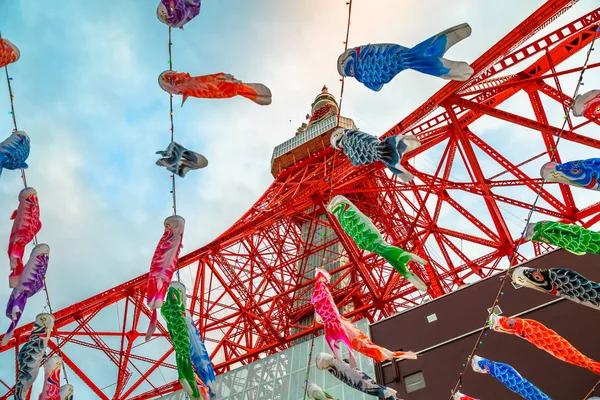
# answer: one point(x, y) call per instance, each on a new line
point(177, 13)
point(32, 281)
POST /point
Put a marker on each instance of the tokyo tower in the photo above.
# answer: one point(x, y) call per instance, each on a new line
point(251, 287)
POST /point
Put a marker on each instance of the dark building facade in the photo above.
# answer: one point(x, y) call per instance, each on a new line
point(444, 331)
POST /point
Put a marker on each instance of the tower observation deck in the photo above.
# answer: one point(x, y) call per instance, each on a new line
point(311, 137)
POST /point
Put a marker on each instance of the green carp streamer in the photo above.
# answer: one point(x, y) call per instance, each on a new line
point(572, 238)
point(367, 237)
point(173, 311)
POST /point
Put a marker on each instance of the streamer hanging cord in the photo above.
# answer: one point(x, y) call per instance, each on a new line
point(173, 187)
point(513, 259)
point(23, 177)
point(331, 165)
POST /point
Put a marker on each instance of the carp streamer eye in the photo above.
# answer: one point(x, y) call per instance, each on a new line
point(537, 276)
point(511, 323)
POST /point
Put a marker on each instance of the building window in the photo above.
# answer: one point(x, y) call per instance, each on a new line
point(414, 382)
point(497, 310)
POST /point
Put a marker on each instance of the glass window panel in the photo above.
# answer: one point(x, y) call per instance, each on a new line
point(251, 394)
point(283, 368)
point(414, 382)
point(300, 356)
point(269, 368)
point(282, 389)
point(281, 376)
point(254, 372)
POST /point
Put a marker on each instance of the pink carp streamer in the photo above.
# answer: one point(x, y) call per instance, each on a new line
point(51, 389)
point(332, 320)
point(163, 266)
point(26, 224)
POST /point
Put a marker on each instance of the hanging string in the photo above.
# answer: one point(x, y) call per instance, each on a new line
point(55, 329)
point(587, 396)
point(172, 124)
point(332, 166)
point(521, 240)
point(349, 4)
point(339, 113)
point(35, 239)
point(173, 191)
point(312, 346)
point(14, 117)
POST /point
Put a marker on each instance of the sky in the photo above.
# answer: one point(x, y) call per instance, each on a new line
point(87, 94)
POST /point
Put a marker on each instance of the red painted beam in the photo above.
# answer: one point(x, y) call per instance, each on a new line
point(528, 123)
point(539, 19)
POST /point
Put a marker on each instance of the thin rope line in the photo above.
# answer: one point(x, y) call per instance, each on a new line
point(312, 345)
point(172, 124)
point(349, 3)
point(173, 187)
point(35, 239)
point(14, 118)
point(12, 105)
point(591, 390)
point(504, 278)
point(339, 114)
point(55, 329)
point(323, 263)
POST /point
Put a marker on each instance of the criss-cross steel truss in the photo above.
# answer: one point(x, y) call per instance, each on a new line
point(250, 287)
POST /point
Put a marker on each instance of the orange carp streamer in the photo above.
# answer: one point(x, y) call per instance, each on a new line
point(216, 86)
point(545, 339)
point(361, 343)
point(9, 53)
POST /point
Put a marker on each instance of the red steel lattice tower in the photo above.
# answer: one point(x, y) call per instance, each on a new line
point(252, 284)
